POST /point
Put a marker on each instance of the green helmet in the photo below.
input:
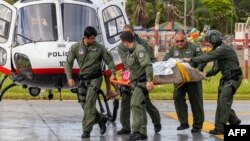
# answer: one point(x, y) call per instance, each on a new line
point(214, 37)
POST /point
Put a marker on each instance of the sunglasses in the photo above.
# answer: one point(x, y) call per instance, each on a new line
point(179, 41)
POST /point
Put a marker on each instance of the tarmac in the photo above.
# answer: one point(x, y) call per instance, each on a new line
point(42, 120)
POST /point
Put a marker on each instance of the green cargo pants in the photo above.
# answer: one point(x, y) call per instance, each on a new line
point(125, 109)
point(87, 98)
point(194, 91)
point(138, 110)
point(225, 101)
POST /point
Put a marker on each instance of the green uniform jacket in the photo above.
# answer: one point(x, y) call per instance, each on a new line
point(225, 56)
point(88, 58)
point(138, 62)
point(123, 52)
point(190, 50)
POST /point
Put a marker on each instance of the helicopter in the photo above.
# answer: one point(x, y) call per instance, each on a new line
point(35, 36)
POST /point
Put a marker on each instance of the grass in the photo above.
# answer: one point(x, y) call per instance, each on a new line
point(162, 92)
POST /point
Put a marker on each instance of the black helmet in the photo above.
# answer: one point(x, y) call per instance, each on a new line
point(214, 37)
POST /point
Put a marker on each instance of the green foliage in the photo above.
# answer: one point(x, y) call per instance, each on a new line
point(150, 11)
point(220, 14)
point(242, 8)
point(10, 1)
point(140, 12)
point(222, 10)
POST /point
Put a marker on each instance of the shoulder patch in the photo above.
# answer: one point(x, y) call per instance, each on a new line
point(141, 54)
point(81, 51)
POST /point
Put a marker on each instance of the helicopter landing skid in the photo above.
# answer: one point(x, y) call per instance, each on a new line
point(5, 89)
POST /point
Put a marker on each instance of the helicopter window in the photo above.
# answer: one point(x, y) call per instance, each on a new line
point(5, 18)
point(37, 23)
point(113, 22)
point(75, 19)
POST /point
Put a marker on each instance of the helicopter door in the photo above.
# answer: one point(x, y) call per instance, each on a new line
point(7, 23)
point(112, 18)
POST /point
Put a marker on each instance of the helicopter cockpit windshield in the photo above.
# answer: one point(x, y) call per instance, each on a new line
point(5, 18)
point(80, 16)
point(37, 23)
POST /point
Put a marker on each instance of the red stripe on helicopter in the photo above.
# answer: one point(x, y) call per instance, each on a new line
point(61, 70)
point(56, 70)
point(4, 70)
point(53, 71)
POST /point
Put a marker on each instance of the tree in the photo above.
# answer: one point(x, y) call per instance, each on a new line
point(242, 8)
point(212, 11)
point(138, 12)
point(11, 1)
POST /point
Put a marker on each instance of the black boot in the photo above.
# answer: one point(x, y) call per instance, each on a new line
point(137, 136)
point(157, 127)
point(85, 135)
point(216, 132)
point(195, 130)
point(123, 131)
point(102, 125)
point(235, 122)
point(183, 126)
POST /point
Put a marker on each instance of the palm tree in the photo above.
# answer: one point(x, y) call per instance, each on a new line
point(140, 13)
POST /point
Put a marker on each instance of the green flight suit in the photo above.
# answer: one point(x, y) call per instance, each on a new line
point(193, 89)
point(89, 59)
point(226, 61)
point(141, 71)
point(126, 97)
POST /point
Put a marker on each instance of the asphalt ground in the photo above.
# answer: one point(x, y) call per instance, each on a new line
point(42, 120)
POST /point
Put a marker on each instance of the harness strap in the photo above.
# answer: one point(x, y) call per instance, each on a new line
point(184, 74)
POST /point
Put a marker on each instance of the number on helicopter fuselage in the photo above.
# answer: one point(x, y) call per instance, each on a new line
point(62, 63)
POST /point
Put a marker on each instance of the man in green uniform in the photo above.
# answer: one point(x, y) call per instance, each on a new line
point(183, 49)
point(126, 94)
point(140, 67)
point(141, 41)
point(89, 55)
point(226, 61)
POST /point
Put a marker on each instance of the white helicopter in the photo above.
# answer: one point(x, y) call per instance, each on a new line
point(35, 36)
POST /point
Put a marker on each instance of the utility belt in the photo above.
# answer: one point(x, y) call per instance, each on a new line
point(91, 76)
point(141, 79)
point(233, 74)
point(86, 78)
